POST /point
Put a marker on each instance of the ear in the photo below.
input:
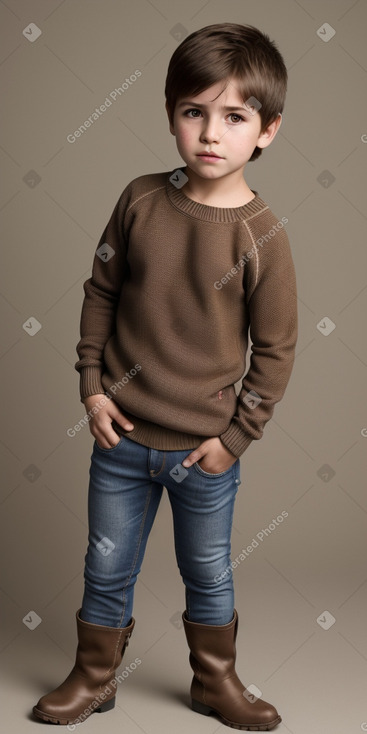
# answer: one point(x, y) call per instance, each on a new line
point(171, 128)
point(266, 137)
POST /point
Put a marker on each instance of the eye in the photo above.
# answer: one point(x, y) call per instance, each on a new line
point(192, 114)
point(233, 114)
point(186, 113)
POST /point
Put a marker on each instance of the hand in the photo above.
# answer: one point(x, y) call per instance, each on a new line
point(100, 421)
point(217, 457)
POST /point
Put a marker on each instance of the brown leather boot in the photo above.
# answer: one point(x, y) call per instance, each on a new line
point(216, 686)
point(90, 686)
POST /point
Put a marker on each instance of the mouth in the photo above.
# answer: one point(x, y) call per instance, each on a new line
point(208, 155)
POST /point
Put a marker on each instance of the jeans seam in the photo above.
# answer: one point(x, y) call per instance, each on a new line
point(162, 467)
point(147, 503)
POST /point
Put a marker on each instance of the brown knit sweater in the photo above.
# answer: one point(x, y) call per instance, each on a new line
point(176, 288)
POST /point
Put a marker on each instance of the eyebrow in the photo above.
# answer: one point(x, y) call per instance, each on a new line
point(196, 104)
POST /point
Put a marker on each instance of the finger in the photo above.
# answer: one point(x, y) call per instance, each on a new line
point(193, 457)
point(124, 423)
point(121, 420)
point(107, 441)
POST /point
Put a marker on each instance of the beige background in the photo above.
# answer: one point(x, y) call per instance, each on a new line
point(55, 202)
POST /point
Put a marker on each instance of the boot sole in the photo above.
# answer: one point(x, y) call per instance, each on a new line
point(202, 708)
point(106, 706)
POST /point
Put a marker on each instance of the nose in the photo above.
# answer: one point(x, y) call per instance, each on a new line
point(210, 132)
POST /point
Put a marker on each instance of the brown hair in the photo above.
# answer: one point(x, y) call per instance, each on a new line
point(228, 50)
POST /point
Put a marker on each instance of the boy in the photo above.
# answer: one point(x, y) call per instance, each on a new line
point(190, 261)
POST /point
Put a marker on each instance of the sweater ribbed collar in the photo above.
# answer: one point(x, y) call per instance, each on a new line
point(211, 213)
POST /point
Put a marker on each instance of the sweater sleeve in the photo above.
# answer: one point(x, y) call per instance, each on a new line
point(273, 324)
point(102, 291)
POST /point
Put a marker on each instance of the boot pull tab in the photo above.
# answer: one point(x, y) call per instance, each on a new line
point(127, 638)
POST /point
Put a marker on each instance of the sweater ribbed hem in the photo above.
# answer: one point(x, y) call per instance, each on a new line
point(235, 439)
point(157, 437)
point(153, 435)
point(90, 382)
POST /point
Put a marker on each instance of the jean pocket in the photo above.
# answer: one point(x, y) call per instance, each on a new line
point(210, 474)
point(110, 449)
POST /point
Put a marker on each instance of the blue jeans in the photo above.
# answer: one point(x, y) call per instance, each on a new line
point(125, 488)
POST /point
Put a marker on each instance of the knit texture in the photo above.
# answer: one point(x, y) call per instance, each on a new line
point(177, 288)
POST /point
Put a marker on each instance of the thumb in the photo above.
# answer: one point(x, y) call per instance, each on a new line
point(119, 417)
point(195, 455)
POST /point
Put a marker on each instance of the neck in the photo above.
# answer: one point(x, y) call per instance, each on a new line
point(229, 191)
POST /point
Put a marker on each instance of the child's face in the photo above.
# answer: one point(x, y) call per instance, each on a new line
point(200, 124)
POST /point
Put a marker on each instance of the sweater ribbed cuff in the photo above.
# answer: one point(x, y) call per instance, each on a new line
point(235, 439)
point(90, 382)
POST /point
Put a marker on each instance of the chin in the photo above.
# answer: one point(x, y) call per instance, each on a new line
point(204, 172)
